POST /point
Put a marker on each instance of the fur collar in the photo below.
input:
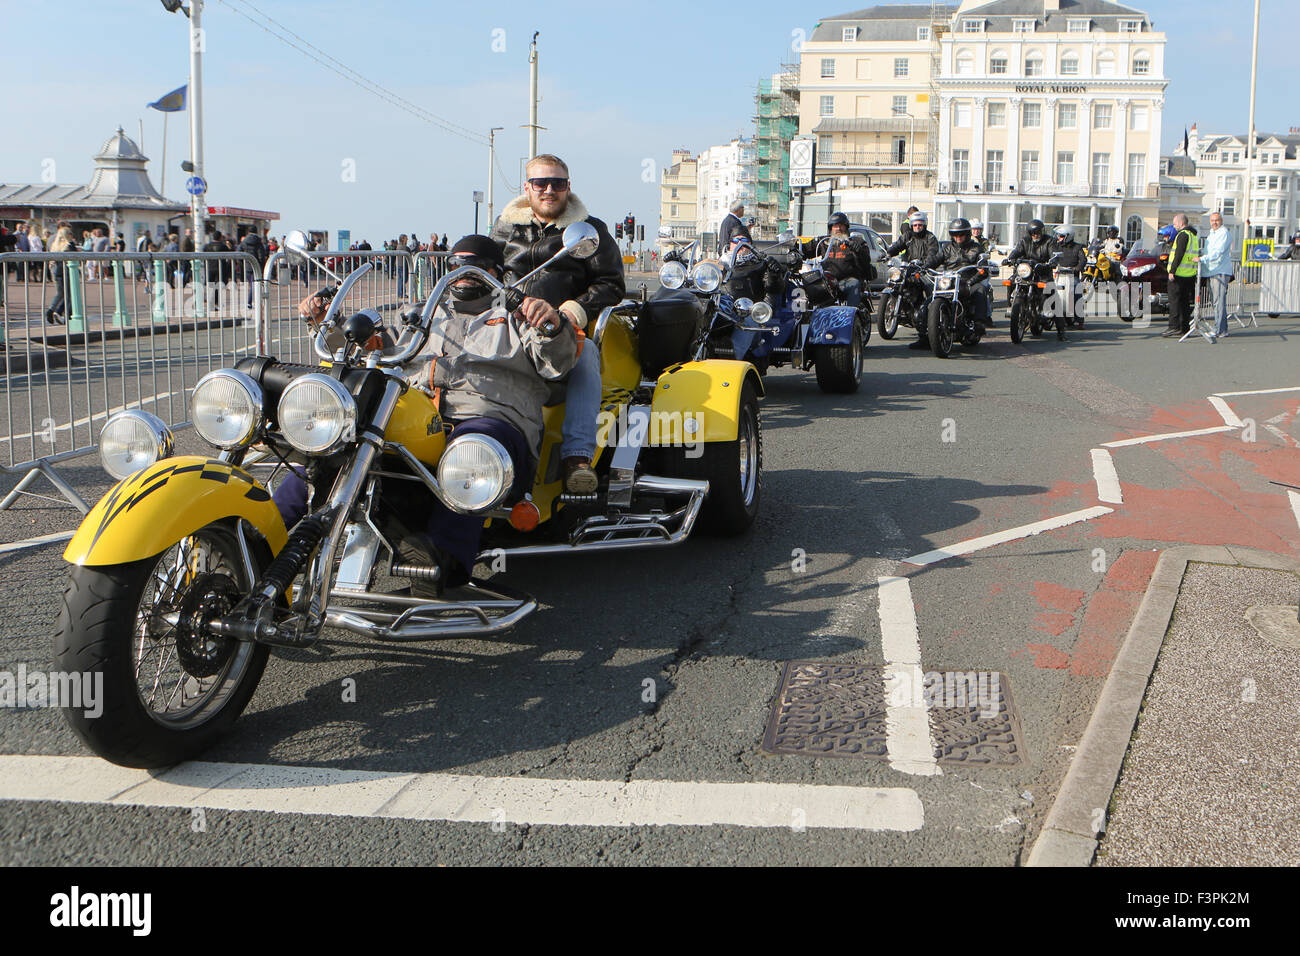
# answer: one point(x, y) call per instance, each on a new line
point(519, 213)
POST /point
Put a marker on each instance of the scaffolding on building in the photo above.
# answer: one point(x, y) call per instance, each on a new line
point(776, 122)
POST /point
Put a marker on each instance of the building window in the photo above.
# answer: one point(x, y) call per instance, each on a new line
point(1100, 172)
point(1130, 26)
point(972, 26)
point(673, 212)
point(1281, 209)
point(1232, 183)
point(961, 115)
point(850, 34)
point(674, 195)
point(828, 69)
point(1029, 165)
point(1137, 174)
point(993, 170)
point(965, 63)
point(1022, 26)
point(1070, 64)
point(997, 114)
point(960, 170)
point(1137, 118)
point(827, 105)
point(1034, 64)
point(1077, 25)
point(825, 144)
point(1133, 230)
point(1106, 64)
point(1067, 116)
point(900, 150)
point(900, 66)
point(923, 33)
point(998, 64)
point(1228, 206)
point(1065, 167)
point(1031, 115)
point(1141, 65)
point(1103, 116)
point(900, 105)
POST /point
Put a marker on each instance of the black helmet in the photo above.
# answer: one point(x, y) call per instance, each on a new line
point(959, 226)
point(837, 219)
point(1036, 227)
point(1112, 232)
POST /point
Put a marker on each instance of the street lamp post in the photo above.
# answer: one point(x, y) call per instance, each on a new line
point(492, 160)
point(198, 201)
point(911, 155)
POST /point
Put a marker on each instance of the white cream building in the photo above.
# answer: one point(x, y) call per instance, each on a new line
point(724, 174)
point(1225, 172)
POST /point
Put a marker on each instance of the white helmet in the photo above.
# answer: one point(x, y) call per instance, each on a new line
point(1063, 233)
point(977, 223)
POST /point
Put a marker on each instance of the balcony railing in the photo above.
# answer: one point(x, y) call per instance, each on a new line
point(1008, 188)
point(864, 159)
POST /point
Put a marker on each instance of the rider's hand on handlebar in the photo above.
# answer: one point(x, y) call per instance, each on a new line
point(313, 308)
point(538, 313)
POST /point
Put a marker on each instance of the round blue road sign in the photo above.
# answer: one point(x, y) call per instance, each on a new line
point(196, 186)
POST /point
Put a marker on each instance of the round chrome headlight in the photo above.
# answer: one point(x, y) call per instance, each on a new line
point(761, 313)
point(706, 276)
point(227, 408)
point(1023, 270)
point(475, 474)
point(317, 415)
point(743, 304)
point(945, 282)
point(132, 440)
point(895, 274)
point(672, 275)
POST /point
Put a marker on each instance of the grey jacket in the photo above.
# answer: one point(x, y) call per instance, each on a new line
point(489, 364)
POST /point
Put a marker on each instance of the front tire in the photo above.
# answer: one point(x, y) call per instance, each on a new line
point(887, 323)
point(1017, 317)
point(940, 329)
point(166, 697)
point(839, 367)
point(734, 471)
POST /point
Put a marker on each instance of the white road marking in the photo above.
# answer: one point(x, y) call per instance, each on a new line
point(90, 418)
point(459, 797)
point(1279, 434)
point(1103, 472)
point(1260, 391)
point(1227, 414)
point(1011, 534)
point(35, 542)
point(907, 724)
point(1295, 504)
point(1145, 439)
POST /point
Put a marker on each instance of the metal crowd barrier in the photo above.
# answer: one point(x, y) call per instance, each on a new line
point(88, 334)
point(387, 288)
point(1279, 287)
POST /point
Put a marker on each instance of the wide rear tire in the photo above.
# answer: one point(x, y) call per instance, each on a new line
point(110, 627)
point(839, 367)
point(734, 471)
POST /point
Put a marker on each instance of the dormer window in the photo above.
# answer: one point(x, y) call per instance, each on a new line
point(972, 26)
point(1022, 26)
point(1078, 25)
point(850, 34)
point(1130, 26)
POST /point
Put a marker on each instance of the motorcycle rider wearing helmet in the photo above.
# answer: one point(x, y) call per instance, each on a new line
point(986, 244)
point(1072, 253)
point(529, 232)
point(488, 371)
point(1034, 246)
point(1112, 245)
point(917, 243)
point(1292, 251)
point(962, 250)
point(847, 259)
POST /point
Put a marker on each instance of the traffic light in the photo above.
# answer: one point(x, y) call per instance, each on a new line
point(640, 233)
point(629, 225)
point(618, 230)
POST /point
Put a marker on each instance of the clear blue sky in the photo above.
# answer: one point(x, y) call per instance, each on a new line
point(621, 84)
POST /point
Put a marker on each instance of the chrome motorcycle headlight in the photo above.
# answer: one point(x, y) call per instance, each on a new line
point(706, 276)
point(1023, 270)
point(944, 283)
point(475, 474)
point(761, 313)
point(672, 275)
point(227, 409)
point(317, 415)
point(1142, 270)
point(895, 274)
point(132, 440)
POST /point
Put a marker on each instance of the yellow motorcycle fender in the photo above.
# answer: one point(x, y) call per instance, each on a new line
point(699, 401)
point(145, 514)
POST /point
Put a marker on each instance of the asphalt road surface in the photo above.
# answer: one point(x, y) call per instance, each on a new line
point(601, 729)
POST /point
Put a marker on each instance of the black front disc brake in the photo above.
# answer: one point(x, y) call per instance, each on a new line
point(201, 652)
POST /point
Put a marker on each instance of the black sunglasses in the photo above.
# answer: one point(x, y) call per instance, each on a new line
point(478, 262)
point(557, 183)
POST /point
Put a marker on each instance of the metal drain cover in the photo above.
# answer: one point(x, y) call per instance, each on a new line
point(838, 710)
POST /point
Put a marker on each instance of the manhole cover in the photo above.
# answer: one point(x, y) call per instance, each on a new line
point(1277, 624)
point(838, 710)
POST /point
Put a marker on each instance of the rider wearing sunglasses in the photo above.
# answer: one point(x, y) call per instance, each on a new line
point(529, 232)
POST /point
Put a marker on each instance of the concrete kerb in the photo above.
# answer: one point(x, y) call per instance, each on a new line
point(1069, 836)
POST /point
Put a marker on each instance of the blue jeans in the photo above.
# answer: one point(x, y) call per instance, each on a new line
point(582, 405)
point(1219, 289)
point(852, 290)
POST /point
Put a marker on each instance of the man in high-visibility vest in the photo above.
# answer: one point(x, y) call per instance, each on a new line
point(1184, 258)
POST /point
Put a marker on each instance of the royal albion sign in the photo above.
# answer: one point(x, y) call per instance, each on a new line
point(1049, 88)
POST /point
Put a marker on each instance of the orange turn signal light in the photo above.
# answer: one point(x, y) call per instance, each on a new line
point(1042, 285)
point(524, 516)
point(1006, 282)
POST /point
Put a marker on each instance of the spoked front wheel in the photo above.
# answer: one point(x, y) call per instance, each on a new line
point(939, 326)
point(170, 687)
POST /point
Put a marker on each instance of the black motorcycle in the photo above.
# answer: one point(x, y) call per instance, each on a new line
point(904, 298)
point(951, 315)
point(1029, 282)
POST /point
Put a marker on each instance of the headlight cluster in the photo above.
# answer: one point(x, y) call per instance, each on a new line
point(475, 474)
point(895, 274)
point(1142, 270)
point(1023, 270)
point(761, 313)
point(133, 440)
point(317, 415)
point(706, 276)
point(227, 409)
point(672, 275)
point(944, 282)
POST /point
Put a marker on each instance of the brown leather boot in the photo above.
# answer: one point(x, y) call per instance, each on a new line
point(579, 479)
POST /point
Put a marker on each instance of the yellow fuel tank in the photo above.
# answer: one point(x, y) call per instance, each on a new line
point(417, 425)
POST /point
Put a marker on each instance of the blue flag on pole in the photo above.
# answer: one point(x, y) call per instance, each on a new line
point(173, 102)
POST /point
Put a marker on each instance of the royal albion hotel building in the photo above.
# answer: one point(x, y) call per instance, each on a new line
point(1047, 109)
